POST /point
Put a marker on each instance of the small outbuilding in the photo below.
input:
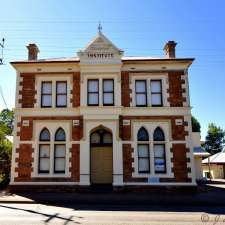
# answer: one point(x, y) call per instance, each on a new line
point(199, 153)
point(214, 166)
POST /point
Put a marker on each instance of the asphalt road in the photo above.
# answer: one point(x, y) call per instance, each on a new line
point(32, 214)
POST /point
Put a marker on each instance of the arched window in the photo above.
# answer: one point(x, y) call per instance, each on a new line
point(159, 134)
point(44, 135)
point(101, 137)
point(142, 134)
point(60, 151)
point(143, 151)
point(44, 151)
point(107, 138)
point(60, 135)
point(95, 138)
point(159, 151)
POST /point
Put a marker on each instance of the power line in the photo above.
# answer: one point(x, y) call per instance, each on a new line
point(1, 93)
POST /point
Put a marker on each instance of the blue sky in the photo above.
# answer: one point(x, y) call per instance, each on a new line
point(141, 28)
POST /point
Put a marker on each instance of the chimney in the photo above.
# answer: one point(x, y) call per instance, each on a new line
point(170, 49)
point(32, 52)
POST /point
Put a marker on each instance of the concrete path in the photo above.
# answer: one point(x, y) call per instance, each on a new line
point(13, 214)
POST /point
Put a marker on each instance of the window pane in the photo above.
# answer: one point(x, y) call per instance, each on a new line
point(160, 165)
point(159, 150)
point(93, 99)
point(107, 138)
point(140, 86)
point(143, 165)
point(60, 150)
point(93, 86)
point(158, 134)
point(155, 86)
point(61, 100)
point(44, 150)
point(143, 151)
point(156, 99)
point(142, 134)
point(60, 135)
point(45, 135)
point(46, 88)
point(61, 87)
point(60, 164)
point(108, 98)
point(95, 138)
point(140, 99)
point(46, 100)
point(108, 85)
point(44, 164)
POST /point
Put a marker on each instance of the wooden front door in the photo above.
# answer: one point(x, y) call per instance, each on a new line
point(101, 165)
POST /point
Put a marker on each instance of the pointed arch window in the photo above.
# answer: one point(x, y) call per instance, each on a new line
point(143, 134)
point(159, 151)
point(60, 151)
point(60, 135)
point(143, 151)
point(44, 151)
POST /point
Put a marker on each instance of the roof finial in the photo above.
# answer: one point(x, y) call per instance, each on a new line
point(99, 27)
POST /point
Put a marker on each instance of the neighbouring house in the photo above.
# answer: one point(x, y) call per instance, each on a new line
point(199, 154)
point(214, 165)
point(9, 138)
point(103, 118)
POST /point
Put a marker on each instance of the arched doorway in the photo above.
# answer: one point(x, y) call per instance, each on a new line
point(101, 156)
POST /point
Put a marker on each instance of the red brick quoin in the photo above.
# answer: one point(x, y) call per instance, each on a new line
point(28, 90)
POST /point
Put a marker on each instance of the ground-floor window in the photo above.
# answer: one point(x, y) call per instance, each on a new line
point(46, 145)
point(158, 145)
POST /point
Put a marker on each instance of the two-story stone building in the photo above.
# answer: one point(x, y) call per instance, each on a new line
point(102, 118)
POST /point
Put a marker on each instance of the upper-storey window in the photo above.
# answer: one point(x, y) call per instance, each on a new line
point(108, 92)
point(156, 92)
point(148, 92)
point(46, 94)
point(93, 92)
point(61, 94)
point(53, 94)
point(141, 93)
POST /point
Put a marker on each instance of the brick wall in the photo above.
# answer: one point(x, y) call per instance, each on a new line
point(176, 91)
point(75, 162)
point(180, 160)
point(125, 89)
point(77, 131)
point(76, 90)
point(24, 161)
point(28, 90)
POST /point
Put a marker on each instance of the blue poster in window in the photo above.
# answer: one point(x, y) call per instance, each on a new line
point(153, 180)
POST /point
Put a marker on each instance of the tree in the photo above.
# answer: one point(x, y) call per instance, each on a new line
point(6, 121)
point(215, 139)
point(6, 128)
point(196, 127)
point(5, 162)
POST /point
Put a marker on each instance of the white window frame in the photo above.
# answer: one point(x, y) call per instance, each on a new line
point(52, 126)
point(148, 77)
point(56, 78)
point(150, 126)
point(101, 76)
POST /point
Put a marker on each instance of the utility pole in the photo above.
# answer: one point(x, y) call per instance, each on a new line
point(2, 48)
